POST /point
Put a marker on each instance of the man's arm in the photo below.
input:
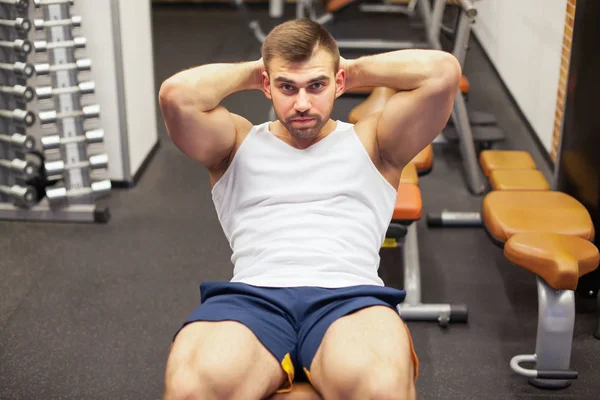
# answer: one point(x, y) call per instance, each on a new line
point(189, 101)
point(427, 82)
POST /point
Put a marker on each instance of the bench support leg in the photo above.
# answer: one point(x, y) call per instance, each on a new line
point(556, 319)
point(412, 309)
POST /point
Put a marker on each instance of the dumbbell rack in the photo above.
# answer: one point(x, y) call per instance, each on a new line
point(66, 128)
point(15, 170)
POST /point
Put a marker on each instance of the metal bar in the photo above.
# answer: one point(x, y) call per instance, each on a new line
point(468, 8)
point(276, 8)
point(412, 267)
point(387, 8)
point(379, 44)
point(42, 212)
point(556, 320)
point(461, 43)
point(66, 103)
point(467, 146)
point(435, 24)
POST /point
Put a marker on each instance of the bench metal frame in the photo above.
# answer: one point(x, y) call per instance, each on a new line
point(556, 321)
point(412, 308)
point(307, 9)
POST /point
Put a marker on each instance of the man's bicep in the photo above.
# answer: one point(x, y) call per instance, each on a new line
point(207, 137)
point(411, 120)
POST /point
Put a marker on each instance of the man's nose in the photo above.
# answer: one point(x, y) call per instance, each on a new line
point(302, 101)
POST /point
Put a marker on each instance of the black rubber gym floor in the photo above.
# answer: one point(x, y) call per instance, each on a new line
point(88, 311)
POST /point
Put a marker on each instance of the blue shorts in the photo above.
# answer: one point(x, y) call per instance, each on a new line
point(289, 322)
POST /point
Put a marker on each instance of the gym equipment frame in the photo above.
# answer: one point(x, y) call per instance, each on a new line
point(412, 308)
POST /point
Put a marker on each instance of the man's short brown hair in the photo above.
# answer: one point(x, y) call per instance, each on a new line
point(295, 41)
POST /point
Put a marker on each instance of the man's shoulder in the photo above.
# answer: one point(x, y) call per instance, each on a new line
point(368, 125)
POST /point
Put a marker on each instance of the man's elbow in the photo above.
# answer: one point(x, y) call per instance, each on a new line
point(169, 93)
point(450, 72)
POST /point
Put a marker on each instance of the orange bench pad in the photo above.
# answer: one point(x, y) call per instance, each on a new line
point(409, 205)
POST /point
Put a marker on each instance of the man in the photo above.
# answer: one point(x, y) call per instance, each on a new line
point(305, 202)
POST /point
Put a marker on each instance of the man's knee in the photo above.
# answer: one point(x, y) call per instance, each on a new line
point(374, 383)
point(187, 382)
point(389, 384)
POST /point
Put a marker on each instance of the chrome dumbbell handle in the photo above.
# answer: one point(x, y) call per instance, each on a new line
point(20, 45)
point(20, 4)
point(99, 161)
point(90, 137)
point(40, 3)
point(84, 64)
point(20, 24)
point(19, 166)
point(46, 92)
point(21, 116)
point(57, 195)
point(74, 21)
point(77, 43)
point(25, 142)
point(50, 117)
point(25, 93)
point(25, 196)
point(21, 68)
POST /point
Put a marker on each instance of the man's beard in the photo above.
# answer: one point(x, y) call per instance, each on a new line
point(303, 132)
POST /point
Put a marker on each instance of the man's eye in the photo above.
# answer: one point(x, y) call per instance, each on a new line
point(317, 85)
point(287, 88)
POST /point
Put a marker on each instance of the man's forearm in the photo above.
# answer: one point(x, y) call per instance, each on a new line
point(204, 87)
point(401, 70)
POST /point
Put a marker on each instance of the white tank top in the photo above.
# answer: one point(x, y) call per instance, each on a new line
point(313, 217)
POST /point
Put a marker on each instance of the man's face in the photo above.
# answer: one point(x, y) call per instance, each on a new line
point(303, 93)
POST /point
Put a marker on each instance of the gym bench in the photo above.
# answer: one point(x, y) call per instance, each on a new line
point(506, 170)
point(550, 234)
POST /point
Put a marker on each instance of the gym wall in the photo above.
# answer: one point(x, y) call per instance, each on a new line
point(524, 40)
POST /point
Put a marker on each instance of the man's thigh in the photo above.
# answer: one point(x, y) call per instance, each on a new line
point(235, 332)
point(225, 350)
point(372, 340)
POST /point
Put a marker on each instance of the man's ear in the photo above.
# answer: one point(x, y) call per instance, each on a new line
point(340, 83)
point(266, 85)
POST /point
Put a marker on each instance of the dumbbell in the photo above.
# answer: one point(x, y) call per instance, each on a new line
point(85, 64)
point(21, 4)
point(55, 141)
point(60, 194)
point(39, 3)
point(18, 166)
point(46, 92)
point(77, 43)
point(99, 161)
point(21, 25)
point(25, 93)
point(20, 116)
point(21, 195)
point(18, 45)
point(20, 68)
point(25, 142)
point(50, 117)
point(40, 24)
